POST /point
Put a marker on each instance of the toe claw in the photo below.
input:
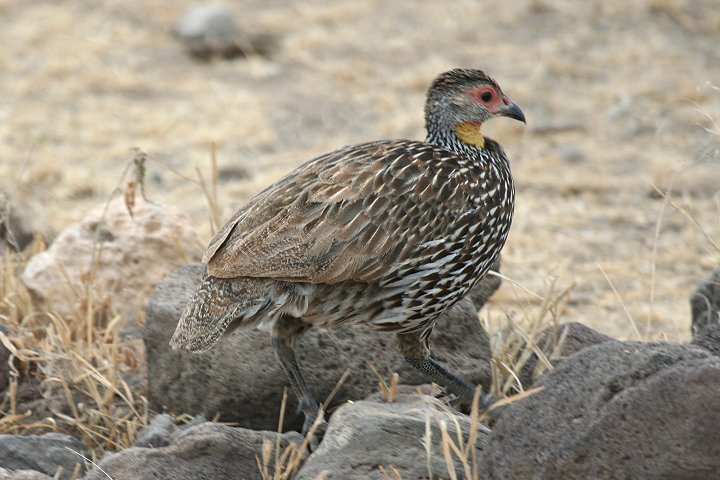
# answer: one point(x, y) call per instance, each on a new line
point(487, 401)
point(317, 435)
point(314, 429)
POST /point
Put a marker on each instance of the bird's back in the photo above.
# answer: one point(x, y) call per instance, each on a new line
point(390, 232)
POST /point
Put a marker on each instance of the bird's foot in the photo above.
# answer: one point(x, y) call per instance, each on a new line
point(314, 429)
point(491, 409)
point(488, 408)
point(316, 435)
point(464, 404)
point(486, 401)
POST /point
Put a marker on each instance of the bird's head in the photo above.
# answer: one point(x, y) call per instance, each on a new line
point(461, 100)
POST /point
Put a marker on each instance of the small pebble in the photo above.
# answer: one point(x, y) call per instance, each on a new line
point(570, 153)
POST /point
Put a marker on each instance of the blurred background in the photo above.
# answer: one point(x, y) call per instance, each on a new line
point(617, 170)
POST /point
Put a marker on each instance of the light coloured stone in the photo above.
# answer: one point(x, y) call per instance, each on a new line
point(123, 257)
point(207, 22)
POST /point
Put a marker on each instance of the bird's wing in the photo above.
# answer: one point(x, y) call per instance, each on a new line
point(353, 214)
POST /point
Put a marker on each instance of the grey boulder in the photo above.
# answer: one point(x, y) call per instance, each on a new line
point(364, 437)
point(206, 451)
point(708, 338)
point(705, 309)
point(161, 430)
point(43, 453)
point(705, 302)
point(557, 343)
point(6, 474)
point(617, 410)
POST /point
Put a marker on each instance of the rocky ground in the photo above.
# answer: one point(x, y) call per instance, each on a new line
point(616, 224)
point(608, 409)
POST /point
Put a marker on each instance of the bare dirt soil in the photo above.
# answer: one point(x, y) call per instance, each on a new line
point(619, 98)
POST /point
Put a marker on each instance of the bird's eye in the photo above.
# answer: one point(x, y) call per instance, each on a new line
point(483, 95)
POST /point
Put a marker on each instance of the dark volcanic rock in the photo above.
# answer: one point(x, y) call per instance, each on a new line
point(162, 429)
point(708, 338)
point(157, 433)
point(705, 308)
point(43, 453)
point(205, 451)
point(241, 380)
point(364, 436)
point(618, 410)
point(705, 303)
point(559, 342)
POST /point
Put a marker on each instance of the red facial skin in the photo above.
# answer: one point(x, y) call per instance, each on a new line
point(489, 98)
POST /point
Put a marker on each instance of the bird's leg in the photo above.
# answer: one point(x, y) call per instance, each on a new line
point(417, 353)
point(285, 334)
point(306, 402)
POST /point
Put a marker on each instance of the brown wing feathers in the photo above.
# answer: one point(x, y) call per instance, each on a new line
point(343, 216)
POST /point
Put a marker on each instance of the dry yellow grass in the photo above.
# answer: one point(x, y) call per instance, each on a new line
point(283, 465)
point(77, 368)
point(78, 365)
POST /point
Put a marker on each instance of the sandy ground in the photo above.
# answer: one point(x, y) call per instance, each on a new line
point(618, 97)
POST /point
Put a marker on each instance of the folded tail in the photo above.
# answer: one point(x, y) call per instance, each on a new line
point(213, 306)
point(236, 302)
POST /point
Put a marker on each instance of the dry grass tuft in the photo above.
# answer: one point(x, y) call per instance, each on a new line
point(462, 449)
point(389, 391)
point(77, 371)
point(515, 340)
point(286, 463)
point(78, 366)
point(73, 373)
point(210, 191)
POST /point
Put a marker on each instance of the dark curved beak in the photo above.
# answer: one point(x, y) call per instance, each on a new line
point(511, 110)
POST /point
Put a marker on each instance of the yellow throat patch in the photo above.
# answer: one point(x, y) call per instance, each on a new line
point(469, 132)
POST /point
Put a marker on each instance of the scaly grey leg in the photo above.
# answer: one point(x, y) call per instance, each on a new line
point(285, 335)
point(306, 402)
point(416, 352)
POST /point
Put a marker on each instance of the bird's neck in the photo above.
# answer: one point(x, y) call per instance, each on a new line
point(470, 133)
point(468, 143)
point(464, 139)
